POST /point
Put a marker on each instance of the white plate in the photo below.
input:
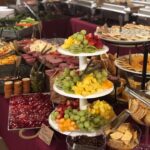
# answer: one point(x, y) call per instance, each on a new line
point(121, 42)
point(73, 133)
point(96, 95)
point(121, 67)
point(97, 52)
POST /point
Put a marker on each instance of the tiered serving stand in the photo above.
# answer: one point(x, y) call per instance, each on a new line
point(83, 103)
point(143, 74)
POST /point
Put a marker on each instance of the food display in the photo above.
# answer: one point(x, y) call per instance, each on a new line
point(25, 23)
point(139, 112)
point(103, 109)
point(133, 63)
point(84, 85)
point(96, 142)
point(68, 117)
point(6, 48)
point(36, 45)
point(8, 60)
point(81, 42)
point(129, 33)
point(71, 81)
point(21, 24)
point(29, 111)
point(57, 61)
point(125, 137)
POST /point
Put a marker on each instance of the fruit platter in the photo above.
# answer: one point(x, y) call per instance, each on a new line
point(28, 111)
point(73, 84)
point(68, 119)
point(83, 44)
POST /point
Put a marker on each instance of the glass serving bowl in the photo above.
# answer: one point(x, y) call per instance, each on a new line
point(86, 143)
point(124, 147)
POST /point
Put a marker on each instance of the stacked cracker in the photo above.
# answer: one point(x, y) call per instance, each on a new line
point(123, 138)
point(139, 112)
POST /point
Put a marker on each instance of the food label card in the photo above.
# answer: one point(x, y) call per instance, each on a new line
point(46, 134)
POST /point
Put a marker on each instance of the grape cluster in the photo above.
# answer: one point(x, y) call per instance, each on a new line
point(85, 120)
point(101, 76)
point(78, 43)
point(67, 79)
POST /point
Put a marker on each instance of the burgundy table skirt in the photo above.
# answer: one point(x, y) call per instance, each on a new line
point(14, 142)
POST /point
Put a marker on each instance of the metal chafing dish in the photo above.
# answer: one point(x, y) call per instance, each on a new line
point(143, 12)
point(84, 3)
point(111, 11)
point(145, 3)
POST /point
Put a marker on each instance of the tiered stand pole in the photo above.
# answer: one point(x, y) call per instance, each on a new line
point(83, 103)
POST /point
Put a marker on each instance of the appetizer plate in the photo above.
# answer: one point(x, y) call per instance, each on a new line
point(97, 52)
point(98, 94)
point(54, 125)
point(123, 64)
point(122, 42)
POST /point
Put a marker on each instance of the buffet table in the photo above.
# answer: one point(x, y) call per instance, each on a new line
point(60, 28)
point(14, 142)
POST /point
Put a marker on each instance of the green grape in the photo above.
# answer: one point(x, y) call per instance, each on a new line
point(56, 113)
point(66, 72)
point(76, 117)
point(80, 37)
point(72, 117)
point(75, 35)
point(66, 84)
point(86, 124)
point(104, 73)
point(72, 73)
point(53, 117)
point(82, 119)
point(75, 111)
point(83, 32)
point(96, 120)
point(81, 113)
point(67, 111)
point(81, 126)
point(76, 79)
point(85, 42)
point(103, 79)
point(66, 116)
point(68, 78)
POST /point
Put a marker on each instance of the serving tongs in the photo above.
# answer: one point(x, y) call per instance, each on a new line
point(18, 62)
point(116, 122)
point(141, 96)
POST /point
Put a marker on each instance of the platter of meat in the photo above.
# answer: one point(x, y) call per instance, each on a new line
point(57, 60)
point(29, 111)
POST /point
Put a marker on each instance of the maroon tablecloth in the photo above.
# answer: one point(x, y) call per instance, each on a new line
point(59, 28)
point(78, 25)
point(14, 142)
